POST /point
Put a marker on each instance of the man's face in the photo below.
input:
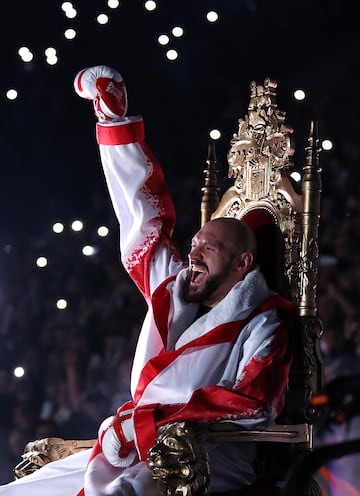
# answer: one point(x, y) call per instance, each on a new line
point(213, 266)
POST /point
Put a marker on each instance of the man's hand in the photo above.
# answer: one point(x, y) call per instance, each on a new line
point(116, 437)
point(106, 88)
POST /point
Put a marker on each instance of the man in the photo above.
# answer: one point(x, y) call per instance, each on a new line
point(214, 344)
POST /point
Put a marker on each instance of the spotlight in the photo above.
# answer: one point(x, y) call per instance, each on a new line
point(19, 372)
point(25, 54)
point(103, 231)
point(327, 145)
point(71, 13)
point(50, 52)
point(52, 60)
point(299, 95)
point(11, 94)
point(61, 304)
point(65, 6)
point(177, 31)
point(215, 134)
point(58, 227)
point(77, 225)
point(41, 262)
point(296, 176)
point(102, 19)
point(150, 5)
point(163, 39)
point(70, 34)
point(212, 16)
point(172, 54)
point(89, 250)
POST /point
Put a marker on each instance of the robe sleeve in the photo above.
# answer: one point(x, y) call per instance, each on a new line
point(142, 203)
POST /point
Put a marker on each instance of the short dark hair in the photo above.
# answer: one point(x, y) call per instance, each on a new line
point(242, 235)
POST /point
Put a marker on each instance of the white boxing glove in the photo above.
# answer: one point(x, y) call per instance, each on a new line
point(106, 88)
point(116, 437)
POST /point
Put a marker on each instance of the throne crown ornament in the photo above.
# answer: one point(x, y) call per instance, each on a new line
point(262, 147)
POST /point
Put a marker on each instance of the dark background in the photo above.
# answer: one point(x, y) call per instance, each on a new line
point(50, 171)
point(49, 161)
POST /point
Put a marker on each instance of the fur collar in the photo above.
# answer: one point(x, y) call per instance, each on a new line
point(237, 304)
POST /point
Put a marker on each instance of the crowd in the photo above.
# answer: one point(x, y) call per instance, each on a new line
point(77, 360)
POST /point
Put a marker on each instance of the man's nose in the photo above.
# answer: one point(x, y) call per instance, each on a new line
point(195, 253)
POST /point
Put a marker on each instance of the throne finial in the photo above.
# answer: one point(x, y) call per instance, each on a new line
point(210, 190)
point(309, 252)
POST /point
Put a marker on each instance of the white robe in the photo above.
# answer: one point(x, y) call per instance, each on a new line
point(229, 364)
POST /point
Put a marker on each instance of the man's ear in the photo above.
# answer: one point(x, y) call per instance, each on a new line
point(244, 262)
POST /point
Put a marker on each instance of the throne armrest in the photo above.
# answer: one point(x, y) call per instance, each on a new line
point(179, 459)
point(40, 452)
point(231, 432)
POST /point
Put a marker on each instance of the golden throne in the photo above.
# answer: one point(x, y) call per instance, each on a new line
point(285, 223)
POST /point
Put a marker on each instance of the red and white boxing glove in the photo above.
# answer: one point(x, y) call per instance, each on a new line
point(116, 437)
point(106, 88)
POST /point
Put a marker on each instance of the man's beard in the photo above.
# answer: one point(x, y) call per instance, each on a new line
point(200, 296)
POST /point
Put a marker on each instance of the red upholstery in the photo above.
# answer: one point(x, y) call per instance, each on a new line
point(258, 217)
point(270, 246)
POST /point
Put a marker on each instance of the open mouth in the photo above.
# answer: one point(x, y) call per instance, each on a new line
point(197, 274)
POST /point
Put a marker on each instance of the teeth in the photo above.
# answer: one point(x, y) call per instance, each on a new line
point(196, 268)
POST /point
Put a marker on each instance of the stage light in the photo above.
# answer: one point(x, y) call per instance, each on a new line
point(23, 51)
point(103, 231)
point(19, 372)
point(172, 54)
point(28, 57)
point(41, 262)
point(299, 95)
point(58, 227)
point(215, 134)
point(71, 13)
point(65, 6)
point(163, 39)
point(25, 54)
point(102, 19)
point(70, 34)
point(212, 16)
point(89, 251)
point(150, 5)
point(11, 94)
point(113, 4)
point(296, 176)
point(52, 60)
point(177, 31)
point(50, 52)
point(61, 304)
point(327, 145)
point(77, 225)
point(51, 57)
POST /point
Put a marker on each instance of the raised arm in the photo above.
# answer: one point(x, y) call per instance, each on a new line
point(135, 181)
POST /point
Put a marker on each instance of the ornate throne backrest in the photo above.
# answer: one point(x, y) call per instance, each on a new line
point(285, 223)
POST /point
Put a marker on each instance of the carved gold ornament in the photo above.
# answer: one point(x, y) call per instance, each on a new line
point(179, 461)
